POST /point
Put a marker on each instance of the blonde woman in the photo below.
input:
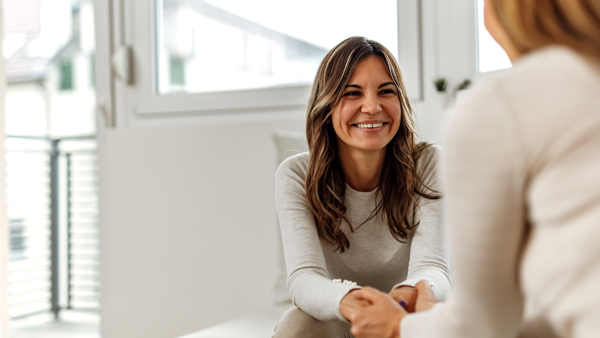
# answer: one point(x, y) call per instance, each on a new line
point(362, 207)
point(523, 189)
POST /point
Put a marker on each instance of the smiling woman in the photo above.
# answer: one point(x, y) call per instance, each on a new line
point(364, 203)
point(331, 136)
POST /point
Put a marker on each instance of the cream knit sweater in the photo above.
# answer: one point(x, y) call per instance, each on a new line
point(523, 191)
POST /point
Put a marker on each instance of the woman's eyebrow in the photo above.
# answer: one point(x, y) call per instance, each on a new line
point(380, 86)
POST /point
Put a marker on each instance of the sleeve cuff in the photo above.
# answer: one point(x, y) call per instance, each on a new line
point(339, 300)
point(439, 283)
point(412, 282)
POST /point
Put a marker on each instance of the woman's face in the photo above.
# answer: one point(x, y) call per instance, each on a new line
point(369, 114)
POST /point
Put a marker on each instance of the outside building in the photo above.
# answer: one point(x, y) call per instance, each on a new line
point(49, 47)
point(49, 50)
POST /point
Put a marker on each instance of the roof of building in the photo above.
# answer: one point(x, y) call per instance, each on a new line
point(28, 56)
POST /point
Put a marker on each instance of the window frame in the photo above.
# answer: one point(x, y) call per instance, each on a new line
point(140, 97)
point(479, 75)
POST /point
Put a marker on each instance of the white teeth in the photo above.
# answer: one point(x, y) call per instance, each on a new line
point(364, 125)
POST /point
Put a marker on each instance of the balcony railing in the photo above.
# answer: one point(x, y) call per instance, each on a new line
point(53, 216)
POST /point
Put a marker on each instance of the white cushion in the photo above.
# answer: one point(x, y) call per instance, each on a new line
point(287, 143)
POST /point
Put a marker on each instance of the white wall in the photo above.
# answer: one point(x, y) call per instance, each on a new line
point(26, 109)
point(188, 234)
point(72, 111)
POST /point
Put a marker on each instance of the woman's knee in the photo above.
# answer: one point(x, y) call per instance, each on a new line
point(296, 323)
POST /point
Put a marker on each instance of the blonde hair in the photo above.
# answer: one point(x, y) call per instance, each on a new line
point(532, 24)
point(325, 186)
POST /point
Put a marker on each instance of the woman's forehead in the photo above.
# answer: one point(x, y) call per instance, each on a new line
point(371, 68)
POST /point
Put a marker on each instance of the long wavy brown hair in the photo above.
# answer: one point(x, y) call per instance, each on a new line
point(325, 186)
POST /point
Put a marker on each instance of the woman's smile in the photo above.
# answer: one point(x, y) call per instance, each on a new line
point(370, 126)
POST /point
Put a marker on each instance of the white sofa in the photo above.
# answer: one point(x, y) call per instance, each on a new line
point(262, 323)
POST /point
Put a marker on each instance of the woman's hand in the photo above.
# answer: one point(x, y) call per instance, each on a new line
point(425, 297)
point(381, 318)
point(406, 294)
point(350, 304)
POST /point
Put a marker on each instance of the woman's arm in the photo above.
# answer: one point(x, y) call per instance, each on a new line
point(309, 284)
point(485, 178)
point(429, 245)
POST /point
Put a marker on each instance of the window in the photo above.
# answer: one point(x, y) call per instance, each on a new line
point(228, 45)
point(490, 55)
point(177, 72)
point(66, 74)
point(198, 56)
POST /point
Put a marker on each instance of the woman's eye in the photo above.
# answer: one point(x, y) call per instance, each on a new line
point(351, 93)
point(388, 91)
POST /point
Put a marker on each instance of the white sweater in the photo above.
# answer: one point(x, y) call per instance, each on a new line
point(374, 258)
point(522, 174)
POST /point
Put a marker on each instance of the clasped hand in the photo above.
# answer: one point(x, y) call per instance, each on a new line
point(374, 314)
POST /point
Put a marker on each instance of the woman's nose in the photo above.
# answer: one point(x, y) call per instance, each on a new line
point(371, 104)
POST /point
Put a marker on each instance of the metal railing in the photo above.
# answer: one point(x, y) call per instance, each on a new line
point(52, 210)
point(83, 247)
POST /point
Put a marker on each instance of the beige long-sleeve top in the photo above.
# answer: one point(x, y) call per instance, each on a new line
point(374, 258)
point(523, 190)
